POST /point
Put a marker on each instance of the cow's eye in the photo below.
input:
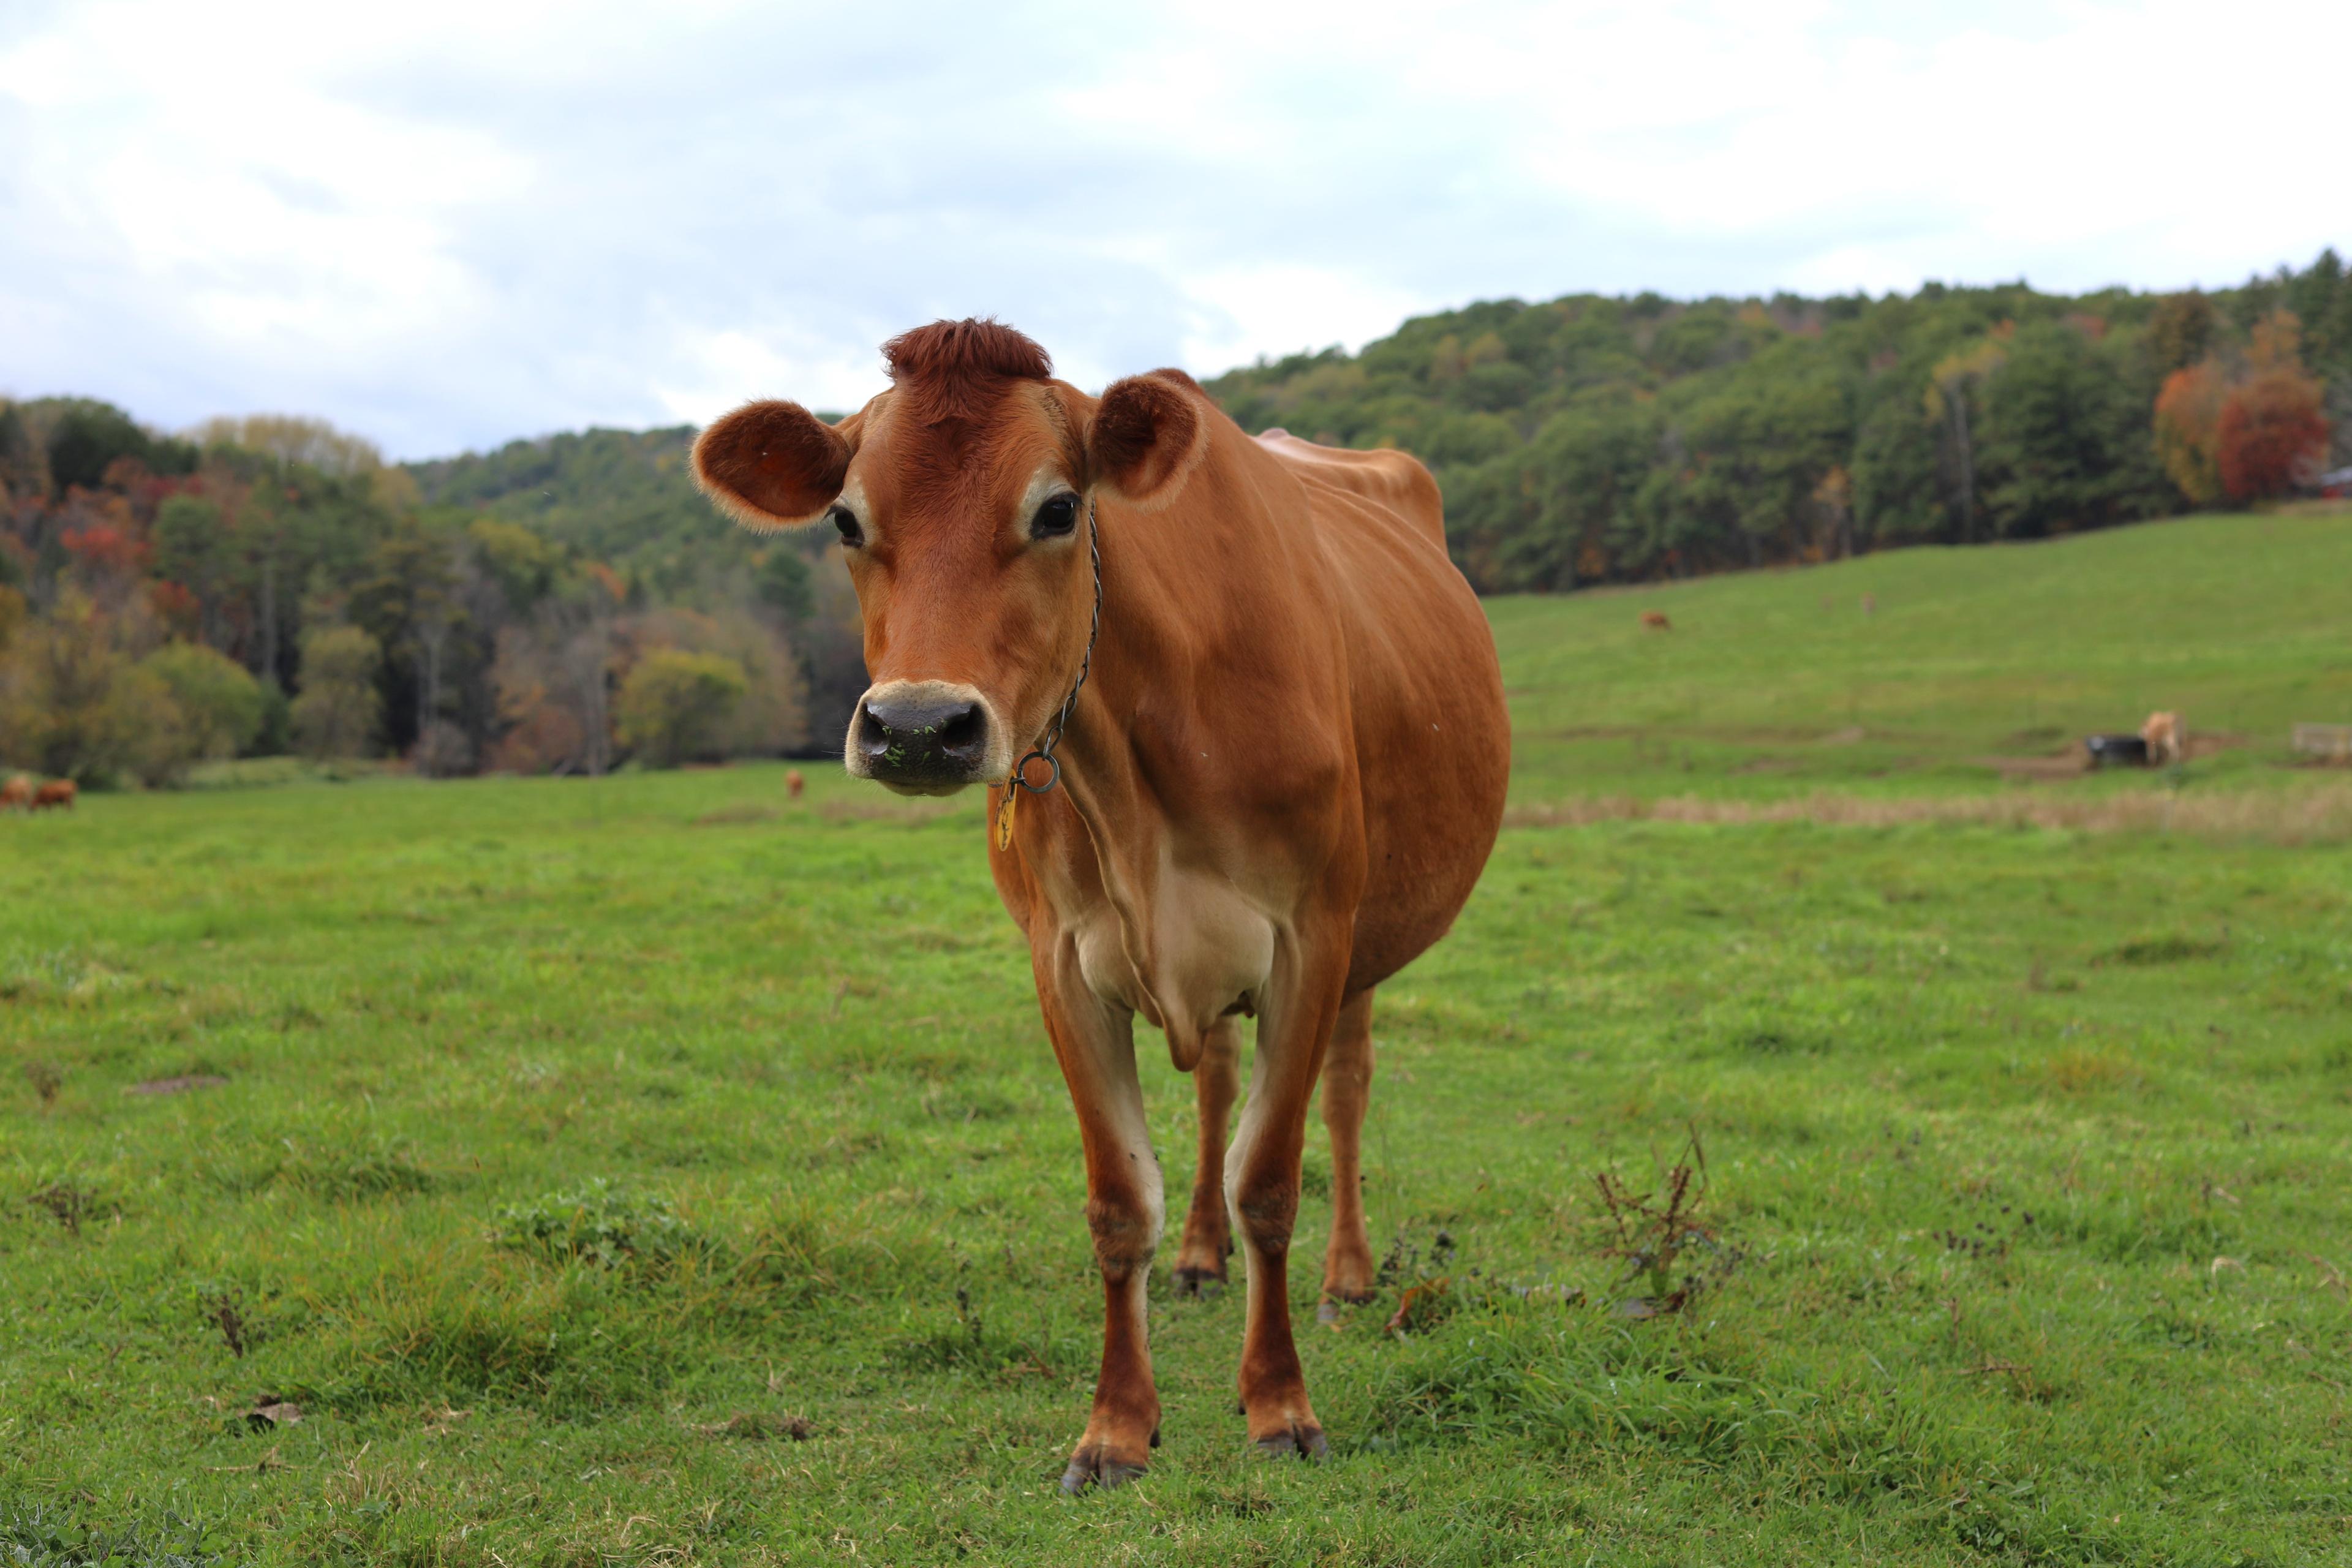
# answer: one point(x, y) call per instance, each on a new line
point(847, 522)
point(1055, 518)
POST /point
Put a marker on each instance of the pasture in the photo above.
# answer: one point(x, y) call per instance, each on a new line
point(652, 1169)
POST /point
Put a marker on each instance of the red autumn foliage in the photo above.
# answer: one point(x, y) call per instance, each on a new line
point(2273, 430)
point(177, 608)
point(103, 545)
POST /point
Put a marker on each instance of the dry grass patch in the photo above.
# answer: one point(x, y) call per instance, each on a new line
point(2303, 816)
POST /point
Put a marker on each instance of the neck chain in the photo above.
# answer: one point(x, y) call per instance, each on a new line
point(1045, 748)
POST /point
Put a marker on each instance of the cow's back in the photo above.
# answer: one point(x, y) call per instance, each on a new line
point(1432, 733)
point(1386, 477)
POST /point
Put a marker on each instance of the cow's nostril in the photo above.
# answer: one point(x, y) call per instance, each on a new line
point(964, 731)
point(909, 738)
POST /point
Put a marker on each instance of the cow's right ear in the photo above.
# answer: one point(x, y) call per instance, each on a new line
point(772, 465)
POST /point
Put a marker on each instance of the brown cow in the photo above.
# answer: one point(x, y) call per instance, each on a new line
point(1656, 620)
point(58, 793)
point(2167, 738)
point(1260, 737)
point(794, 785)
point(17, 794)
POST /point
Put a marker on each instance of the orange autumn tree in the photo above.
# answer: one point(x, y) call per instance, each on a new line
point(2188, 430)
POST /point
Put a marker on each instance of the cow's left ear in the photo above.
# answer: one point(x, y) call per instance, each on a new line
point(1148, 434)
point(774, 465)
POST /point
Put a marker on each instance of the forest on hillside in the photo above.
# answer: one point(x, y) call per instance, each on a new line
point(570, 602)
point(269, 584)
point(1593, 440)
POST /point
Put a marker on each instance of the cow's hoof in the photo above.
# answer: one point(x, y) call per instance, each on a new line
point(1090, 1467)
point(1194, 1280)
point(1304, 1440)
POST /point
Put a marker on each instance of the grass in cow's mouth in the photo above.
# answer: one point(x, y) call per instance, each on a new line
point(611, 1170)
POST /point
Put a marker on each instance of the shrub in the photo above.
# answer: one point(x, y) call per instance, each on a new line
point(221, 706)
point(675, 705)
point(154, 740)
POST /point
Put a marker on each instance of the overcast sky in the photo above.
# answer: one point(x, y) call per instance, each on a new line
point(447, 222)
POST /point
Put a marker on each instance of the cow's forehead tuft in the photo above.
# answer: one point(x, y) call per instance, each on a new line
point(973, 349)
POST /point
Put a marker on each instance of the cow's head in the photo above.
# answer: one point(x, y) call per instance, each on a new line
point(960, 495)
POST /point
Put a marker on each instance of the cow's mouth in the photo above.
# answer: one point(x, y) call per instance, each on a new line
point(922, 738)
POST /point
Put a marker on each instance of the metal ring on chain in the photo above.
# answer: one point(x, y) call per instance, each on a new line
point(1020, 772)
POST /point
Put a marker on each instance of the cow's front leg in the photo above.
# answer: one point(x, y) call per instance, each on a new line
point(1262, 1185)
point(1207, 1239)
point(1093, 1041)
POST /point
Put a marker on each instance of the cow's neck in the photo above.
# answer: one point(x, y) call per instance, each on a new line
point(1131, 785)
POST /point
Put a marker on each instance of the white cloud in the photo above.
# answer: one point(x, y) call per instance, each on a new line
point(446, 224)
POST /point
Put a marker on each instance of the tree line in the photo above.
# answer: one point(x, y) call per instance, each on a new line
point(1593, 440)
point(570, 603)
point(270, 584)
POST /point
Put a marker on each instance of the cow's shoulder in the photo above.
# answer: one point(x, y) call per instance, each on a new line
point(1388, 479)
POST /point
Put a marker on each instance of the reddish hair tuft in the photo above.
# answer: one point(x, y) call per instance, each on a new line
point(972, 348)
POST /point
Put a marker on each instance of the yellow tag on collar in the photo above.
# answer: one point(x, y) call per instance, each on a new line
point(1004, 814)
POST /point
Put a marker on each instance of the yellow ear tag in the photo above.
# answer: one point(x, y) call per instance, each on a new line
point(1004, 813)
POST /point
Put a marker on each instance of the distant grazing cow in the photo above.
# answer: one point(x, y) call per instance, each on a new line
point(2167, 738)
point(1243, 730)
point(1656, 621)
point(17, 794)
point(793, 784)
point(60, 794)
point(1869, 606)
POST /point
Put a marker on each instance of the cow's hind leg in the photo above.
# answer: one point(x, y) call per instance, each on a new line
point(1346, 1091)
point(1261, 1186)
point(1208, 1241)
point(1095, 1043)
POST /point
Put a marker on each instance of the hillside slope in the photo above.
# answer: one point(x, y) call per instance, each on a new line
point(1973, 663)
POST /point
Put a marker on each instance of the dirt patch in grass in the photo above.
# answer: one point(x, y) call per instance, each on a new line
point(2307, 817)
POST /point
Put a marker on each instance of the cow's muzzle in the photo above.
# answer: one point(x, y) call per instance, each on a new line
point(924, 737)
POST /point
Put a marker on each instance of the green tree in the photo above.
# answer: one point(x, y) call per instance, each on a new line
point(53, 693)
point(155, 740)
point(2067, 443)
point(408, 602)
point(674, 705)
point(193, 548)
point(2180, 331)
point(222, 707)
point(335, 713)
point(85, 436)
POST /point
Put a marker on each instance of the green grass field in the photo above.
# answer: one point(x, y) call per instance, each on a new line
point(647, 1169)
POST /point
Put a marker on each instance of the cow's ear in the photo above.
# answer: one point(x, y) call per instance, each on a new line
point(1148, 434)
point(773, 465)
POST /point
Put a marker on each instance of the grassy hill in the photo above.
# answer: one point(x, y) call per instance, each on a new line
point(1976, 664)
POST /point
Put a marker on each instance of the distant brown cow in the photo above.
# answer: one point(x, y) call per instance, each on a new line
point(60, 794)
point(17, 794)
point(2167, 738)
point(1656, 621)
point(794, 783)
